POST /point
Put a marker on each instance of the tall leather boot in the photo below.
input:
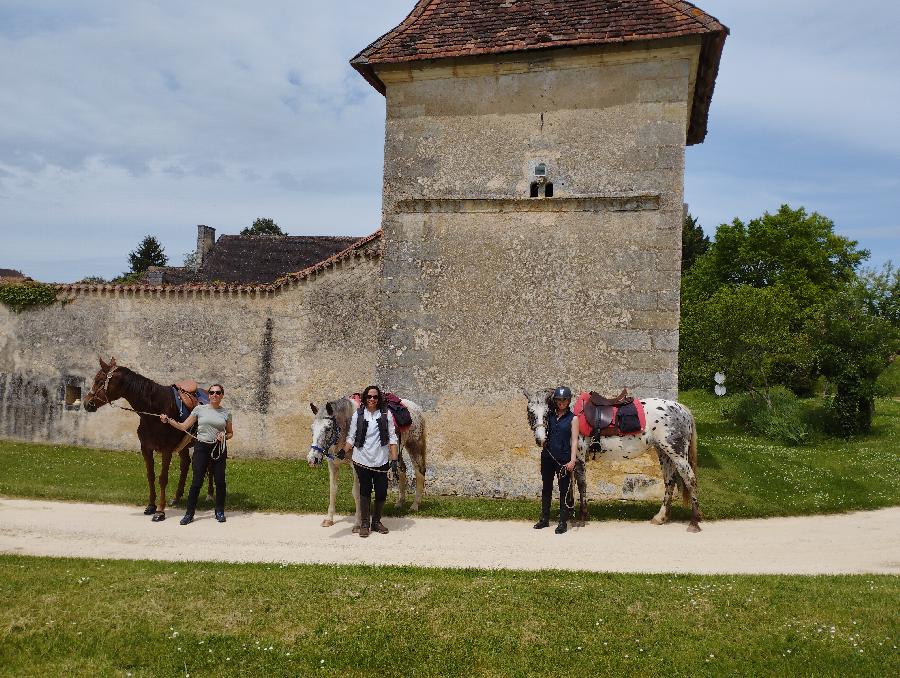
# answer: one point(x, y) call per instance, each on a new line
point(376, 518)
point(563, 519)
point(545, 513)
point(364, 516)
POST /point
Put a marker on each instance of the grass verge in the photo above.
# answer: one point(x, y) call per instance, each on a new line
point(127, 618)
point(740, 476)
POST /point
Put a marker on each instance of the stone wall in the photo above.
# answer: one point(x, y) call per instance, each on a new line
point(274, 351)
point(489, 290)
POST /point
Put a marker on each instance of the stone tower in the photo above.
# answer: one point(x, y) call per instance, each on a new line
point(533, 192)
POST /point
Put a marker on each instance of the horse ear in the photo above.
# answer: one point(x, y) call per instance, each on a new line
point(329, 408)
point(315, 410)
point(103, 365)
point(112, 362)
point(526, 393)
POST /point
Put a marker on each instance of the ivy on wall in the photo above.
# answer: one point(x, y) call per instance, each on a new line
point(21, 295)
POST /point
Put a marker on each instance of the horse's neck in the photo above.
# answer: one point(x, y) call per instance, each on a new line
point(144, 394)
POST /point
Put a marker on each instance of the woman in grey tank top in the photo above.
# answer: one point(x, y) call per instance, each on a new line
point(213, 429)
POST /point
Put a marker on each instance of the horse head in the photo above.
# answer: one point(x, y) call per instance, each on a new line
point(105, 388)
point(538, 408)
point(326, 433)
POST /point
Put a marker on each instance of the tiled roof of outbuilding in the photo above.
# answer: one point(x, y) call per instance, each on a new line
point(440, 29)
point(255, 259)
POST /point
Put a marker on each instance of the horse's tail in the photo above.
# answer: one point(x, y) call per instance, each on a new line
point(692, 459)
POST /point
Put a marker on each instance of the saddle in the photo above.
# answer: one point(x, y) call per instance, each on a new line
point(188, 395)
point(600, 411)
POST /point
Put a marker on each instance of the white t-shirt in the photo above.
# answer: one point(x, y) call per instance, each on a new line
point(372, 453)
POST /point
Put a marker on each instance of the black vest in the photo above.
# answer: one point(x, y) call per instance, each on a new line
point(362, 427)
point(559, 437)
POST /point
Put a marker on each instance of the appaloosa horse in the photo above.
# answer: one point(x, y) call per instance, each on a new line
point(670, 431)
point(149, 400)
point(329, 431)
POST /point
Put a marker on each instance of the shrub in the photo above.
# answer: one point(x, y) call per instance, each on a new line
point(776, 414)
point(21, 295)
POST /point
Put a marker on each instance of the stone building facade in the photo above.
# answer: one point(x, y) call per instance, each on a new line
point(533, 191)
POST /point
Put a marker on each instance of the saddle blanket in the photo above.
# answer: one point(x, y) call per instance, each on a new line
point(584, 428)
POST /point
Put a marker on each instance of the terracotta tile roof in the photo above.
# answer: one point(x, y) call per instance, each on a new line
point(362, 246)
point(440, 29)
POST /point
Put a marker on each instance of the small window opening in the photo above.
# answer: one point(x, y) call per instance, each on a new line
point(534, 189)
point(73, 396)
point(548, 190)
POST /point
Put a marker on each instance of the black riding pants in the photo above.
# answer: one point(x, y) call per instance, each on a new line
point(200, 462)
point(372, 478)
point(550, 469)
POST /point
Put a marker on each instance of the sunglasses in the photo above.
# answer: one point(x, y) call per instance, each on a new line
point(371, 397)
point(216, 392)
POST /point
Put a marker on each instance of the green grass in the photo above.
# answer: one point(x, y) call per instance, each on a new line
point(740, 476)
point(126, 618)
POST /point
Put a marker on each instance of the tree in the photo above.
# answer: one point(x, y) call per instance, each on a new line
point(694, 243)
point(148, 253)
point(263, 226)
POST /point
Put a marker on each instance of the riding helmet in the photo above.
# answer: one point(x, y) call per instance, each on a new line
point(562, 393)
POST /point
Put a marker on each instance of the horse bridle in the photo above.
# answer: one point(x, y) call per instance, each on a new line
point(335, 436)
point(106, 400)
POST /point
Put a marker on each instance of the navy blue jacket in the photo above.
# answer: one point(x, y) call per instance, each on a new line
point(559, 436)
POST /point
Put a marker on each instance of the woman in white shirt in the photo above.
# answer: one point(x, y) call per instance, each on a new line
point(373, 439)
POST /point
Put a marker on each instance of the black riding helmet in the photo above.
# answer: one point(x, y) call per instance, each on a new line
point(562, 393)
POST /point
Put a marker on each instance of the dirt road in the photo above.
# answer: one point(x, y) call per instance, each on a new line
point(867, 542)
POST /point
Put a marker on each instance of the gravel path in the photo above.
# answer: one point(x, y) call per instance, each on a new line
point(865, 542)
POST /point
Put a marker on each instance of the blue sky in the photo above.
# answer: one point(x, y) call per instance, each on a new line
point(126, 119)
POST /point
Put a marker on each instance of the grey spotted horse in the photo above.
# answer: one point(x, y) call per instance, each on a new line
point(670, 431)
point(329, 431)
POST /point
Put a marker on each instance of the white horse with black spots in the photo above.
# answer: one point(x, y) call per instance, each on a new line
point(329, 431)
point(670, 431)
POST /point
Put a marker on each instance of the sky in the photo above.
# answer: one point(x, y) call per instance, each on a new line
point(125, 119)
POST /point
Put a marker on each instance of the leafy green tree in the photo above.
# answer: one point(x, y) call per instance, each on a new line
point(879, 291)
point(694, 243)
point(790, 247)
point(148, 253)
point(263, 226)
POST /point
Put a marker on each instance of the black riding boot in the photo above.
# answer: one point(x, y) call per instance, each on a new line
point(364, 516)
point(563, 519)
point(545, 514)
point(376, 518)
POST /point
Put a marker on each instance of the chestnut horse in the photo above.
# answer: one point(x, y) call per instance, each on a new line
point(148, 399)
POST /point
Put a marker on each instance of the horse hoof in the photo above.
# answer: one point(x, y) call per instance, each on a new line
point(172, 502)
point(414, 507)
point(327, 523)
point(159, 517)
point(655, 520)
point(150, 510)
point(693, 527)
point(355, 529)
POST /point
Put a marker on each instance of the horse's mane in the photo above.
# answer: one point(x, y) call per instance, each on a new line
point(139, 387)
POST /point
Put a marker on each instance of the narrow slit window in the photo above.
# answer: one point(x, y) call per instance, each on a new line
point(548, 190)
point(534, 189)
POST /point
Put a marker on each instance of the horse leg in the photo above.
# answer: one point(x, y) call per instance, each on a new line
point(151, 480)
point(581, 481)
point(401, 482)
point(689, 479)
point(163, 482)
point(184, 463)
point(417, 456)
point(332, 493)
point(671, 480)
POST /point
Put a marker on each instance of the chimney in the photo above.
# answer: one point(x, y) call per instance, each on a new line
point(206, 240)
